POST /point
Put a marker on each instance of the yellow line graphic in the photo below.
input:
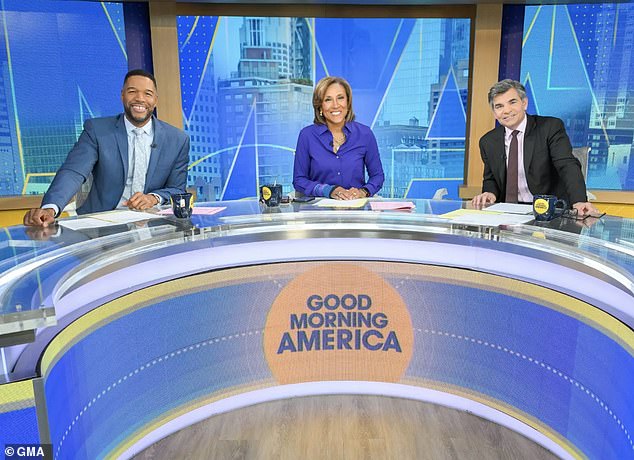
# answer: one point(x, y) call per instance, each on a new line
point(114, 29)
point(30, 175)
point(530, 28)
point(235, 158)
point(616, 25)
point(312, 31)
point(389, 85)
point(190, 34)
point(204, 71)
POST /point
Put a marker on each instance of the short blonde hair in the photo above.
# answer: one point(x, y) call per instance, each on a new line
point(319, 93)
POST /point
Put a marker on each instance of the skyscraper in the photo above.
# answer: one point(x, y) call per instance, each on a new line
point(266, 102)
point(11, 172)
point(612, 118)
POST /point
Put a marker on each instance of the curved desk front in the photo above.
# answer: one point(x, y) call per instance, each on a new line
point(530, 327)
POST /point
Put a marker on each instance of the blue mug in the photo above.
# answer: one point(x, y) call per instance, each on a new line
point(182, 204)
point(548, 207)
point(271, 195)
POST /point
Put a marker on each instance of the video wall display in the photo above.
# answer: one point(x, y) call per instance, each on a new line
point(61, 62)
point(247, 86)
point(158, 359)
point(247, 90)
point(577, 64)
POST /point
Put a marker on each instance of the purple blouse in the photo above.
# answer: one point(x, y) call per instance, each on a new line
point(318, 169)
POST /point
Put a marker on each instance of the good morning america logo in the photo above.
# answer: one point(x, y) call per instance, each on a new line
point(338, 321)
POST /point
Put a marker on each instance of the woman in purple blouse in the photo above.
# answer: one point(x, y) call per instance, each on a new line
point(334, 152)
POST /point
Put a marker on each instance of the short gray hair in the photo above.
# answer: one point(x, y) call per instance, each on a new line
point(503, 86)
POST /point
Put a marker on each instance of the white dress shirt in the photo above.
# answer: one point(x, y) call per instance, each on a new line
point(524, 194)
point(147, 138)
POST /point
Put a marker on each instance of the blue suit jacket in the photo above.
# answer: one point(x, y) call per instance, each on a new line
point(102, 149)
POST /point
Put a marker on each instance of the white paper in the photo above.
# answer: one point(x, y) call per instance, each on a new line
point(330, 203)
point(511, 208)
point(492, 220)
point(196, 210)
point(106, 219)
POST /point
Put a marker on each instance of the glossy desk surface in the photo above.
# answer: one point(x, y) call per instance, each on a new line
point(138, 329)
point(39, 267)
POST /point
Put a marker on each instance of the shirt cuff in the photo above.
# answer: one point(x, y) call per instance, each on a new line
point(323, 190)
point(158, 197)
point(51, 206)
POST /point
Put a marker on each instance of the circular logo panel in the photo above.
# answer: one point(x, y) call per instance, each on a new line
point(338, 321)
point(540, 206)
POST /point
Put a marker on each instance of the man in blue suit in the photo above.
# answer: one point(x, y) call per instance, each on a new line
point(135, 159)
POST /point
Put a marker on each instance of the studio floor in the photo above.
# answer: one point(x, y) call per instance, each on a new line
point(345, 427)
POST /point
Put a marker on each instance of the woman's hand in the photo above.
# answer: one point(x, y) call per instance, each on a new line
point(357, 193)
point(340, 193)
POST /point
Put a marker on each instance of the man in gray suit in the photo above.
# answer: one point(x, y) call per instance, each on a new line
point(533, 151)
point(136, 160)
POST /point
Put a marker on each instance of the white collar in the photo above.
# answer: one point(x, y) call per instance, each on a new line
point(521, 128)
point(148, 128)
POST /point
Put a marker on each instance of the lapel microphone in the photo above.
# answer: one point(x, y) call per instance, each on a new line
point(153, 146)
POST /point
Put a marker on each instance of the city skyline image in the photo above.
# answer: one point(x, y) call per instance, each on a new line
point(247, 82)
point(246, 100)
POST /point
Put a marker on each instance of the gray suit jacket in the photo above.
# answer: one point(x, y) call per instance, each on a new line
point(550, 167)
point(102, 149)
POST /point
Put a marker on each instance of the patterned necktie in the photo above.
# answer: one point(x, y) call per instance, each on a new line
point(138, 173)
point(511, 171)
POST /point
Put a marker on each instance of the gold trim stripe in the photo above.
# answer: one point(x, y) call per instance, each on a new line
point(411, 381)
point(563, 303)
point(184, 409)
point(129, 303)
point(16, 392)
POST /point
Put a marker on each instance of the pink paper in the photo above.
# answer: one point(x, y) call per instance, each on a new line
point(391, 205)
point(202, 210)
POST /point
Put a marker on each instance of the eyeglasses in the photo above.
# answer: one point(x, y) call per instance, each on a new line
point(574, 214)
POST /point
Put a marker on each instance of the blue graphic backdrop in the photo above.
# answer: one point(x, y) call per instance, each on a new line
point(398, 69)
point(577, 60)
point(539, 357)
point(247, 92)
point(61, 62)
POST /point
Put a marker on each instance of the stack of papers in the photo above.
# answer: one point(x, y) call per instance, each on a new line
point(107, 219)
point(511, 208)
point(391, 205)
point(197, 210)
point(330, 203)
point(490, 218)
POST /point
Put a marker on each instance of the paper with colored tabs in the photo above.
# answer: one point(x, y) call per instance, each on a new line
point(330, 203)
point(197, 210)
point(391, 205)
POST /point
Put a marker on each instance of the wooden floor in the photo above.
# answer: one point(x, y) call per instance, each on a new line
point(345, 427)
